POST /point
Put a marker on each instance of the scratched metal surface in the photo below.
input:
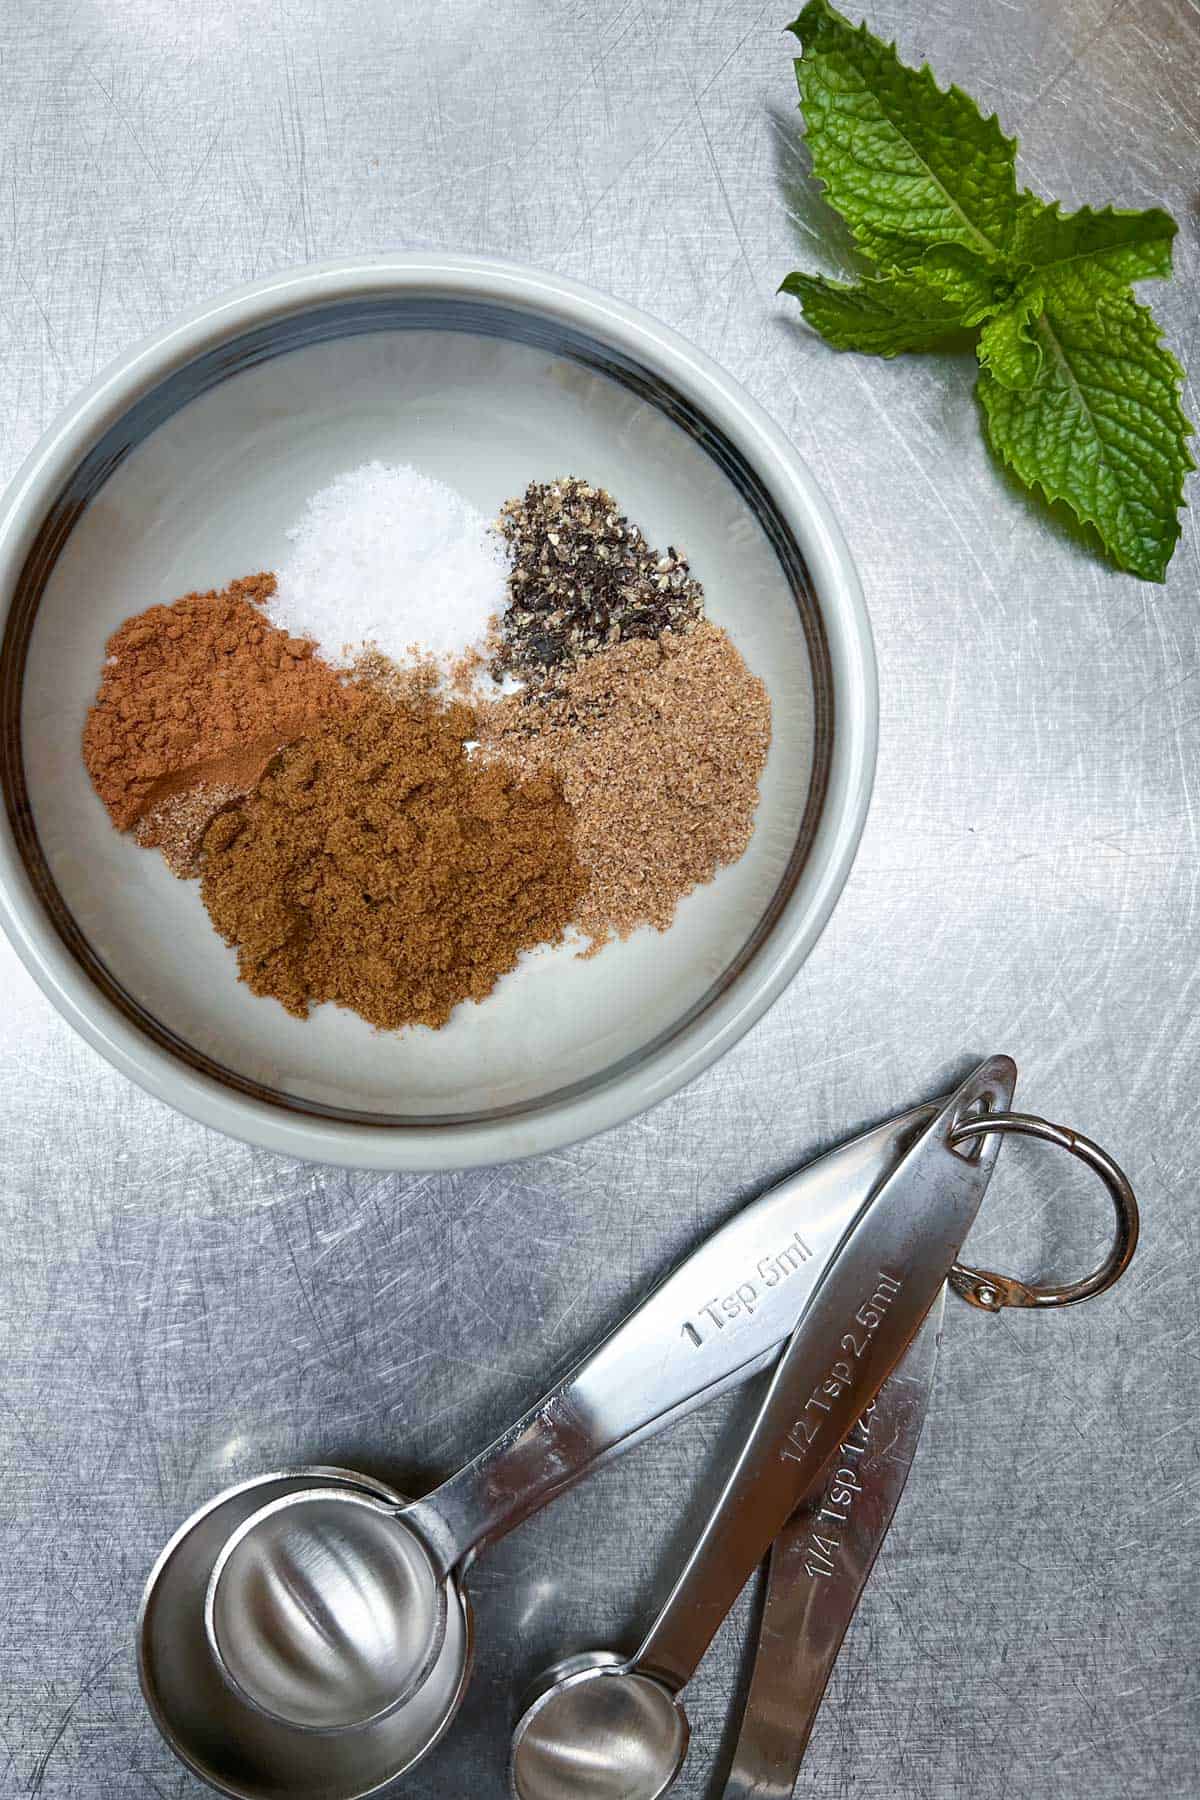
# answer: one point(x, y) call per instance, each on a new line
point(177, 1311)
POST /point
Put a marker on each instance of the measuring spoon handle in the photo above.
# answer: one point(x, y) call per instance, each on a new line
point(854, 1329)
point(819, 1566)
point(717, 1318)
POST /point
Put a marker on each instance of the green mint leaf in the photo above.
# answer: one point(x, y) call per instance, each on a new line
point(1118, 246)
point(948, 292)
point(881, 317)
point(1101, 427)
point(973, 284)
point(906, 163)
point(1008, 348)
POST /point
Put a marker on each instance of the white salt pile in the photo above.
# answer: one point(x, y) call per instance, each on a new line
point(390, 559)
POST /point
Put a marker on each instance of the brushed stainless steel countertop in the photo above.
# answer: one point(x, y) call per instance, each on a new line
point(177, 1311)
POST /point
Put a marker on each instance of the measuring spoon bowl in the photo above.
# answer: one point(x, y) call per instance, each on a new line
point(358, 1594)
point(599, 1730)
point(237, 1748)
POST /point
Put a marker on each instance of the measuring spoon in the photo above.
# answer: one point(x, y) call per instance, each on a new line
point(327, 1609)
point(606, 1727)
point(819, 1566)
point(821, 1560)
point(719, 1318)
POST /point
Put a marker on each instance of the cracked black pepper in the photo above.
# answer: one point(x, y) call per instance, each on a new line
point(583, 578)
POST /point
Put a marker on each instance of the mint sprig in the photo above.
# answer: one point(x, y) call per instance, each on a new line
point(1079, 396)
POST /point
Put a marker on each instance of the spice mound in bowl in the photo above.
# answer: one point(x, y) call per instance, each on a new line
point(657, 744)
point(195, 698)
point(428, 744)
point(379, 867)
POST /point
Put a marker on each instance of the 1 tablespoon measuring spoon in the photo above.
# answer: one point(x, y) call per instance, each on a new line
point(326, 1610)
point(612, 1728)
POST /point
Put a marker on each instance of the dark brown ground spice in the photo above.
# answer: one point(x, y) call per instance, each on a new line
point(659, 747)
point(378, 866)
point(583, 578)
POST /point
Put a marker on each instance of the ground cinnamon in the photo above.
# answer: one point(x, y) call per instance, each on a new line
point(379, 866)
point(199, 694)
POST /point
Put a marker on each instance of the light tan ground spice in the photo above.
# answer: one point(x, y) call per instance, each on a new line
point(378, 866)
point(176, 825)
point(196, 696)
point(416, 684)
point(658, 746)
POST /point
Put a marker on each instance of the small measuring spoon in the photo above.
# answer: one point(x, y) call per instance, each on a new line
point(819, 1566)
point(606, 1727)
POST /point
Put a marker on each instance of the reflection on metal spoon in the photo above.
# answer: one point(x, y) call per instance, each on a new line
point(716, 1320)
point(819, 1566)
point(619, 1725)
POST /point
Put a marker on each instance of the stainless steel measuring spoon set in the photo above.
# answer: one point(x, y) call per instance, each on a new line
point(309, 1633)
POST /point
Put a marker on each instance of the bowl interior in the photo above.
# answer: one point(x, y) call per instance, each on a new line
point(199, 483)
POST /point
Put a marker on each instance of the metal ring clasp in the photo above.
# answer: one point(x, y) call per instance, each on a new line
point(991, 1292)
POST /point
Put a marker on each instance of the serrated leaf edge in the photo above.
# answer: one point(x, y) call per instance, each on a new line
point(1037, 486)
point(1105, 212)
point(923, 72)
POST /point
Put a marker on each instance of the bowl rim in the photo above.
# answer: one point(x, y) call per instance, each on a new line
point(701, 1041)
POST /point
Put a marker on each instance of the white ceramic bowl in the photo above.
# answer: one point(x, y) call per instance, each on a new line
point(182, 466)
